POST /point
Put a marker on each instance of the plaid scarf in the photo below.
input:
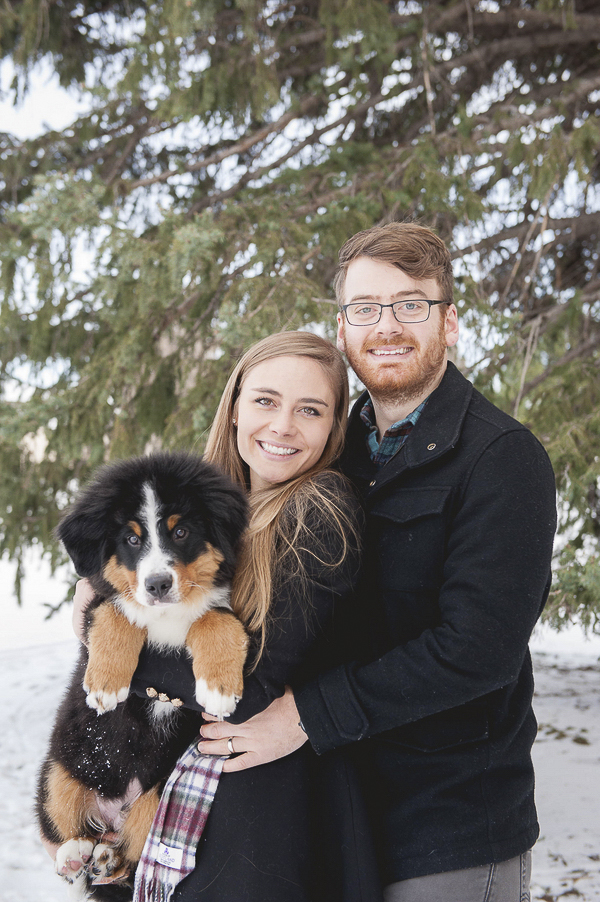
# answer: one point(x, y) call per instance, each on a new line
point(170, 851)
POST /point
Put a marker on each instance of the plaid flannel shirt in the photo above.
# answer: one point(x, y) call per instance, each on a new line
point(393, 438)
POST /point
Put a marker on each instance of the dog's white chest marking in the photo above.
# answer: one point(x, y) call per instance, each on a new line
point(163, 711)
point(169, 625)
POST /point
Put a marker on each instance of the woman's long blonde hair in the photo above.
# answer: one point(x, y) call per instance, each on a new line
point(278, 530)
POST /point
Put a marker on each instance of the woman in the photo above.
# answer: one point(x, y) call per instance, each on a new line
point(273, 833)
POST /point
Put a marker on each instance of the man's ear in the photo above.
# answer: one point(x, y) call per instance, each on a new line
point(341, 337)
point(84, 538)
point(451, 326)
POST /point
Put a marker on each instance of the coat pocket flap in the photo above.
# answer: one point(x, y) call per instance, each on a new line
point(443, 731)
point(410, 504)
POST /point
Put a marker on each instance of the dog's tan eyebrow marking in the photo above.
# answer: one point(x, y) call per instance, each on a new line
point(173, 521)
point(137, 529)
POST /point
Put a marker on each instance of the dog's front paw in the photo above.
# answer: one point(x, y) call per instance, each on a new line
point(102, 701)
point(214, 701)
point(72, 858)
point(107, 865)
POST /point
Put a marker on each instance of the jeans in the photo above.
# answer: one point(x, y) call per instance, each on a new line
point(505, 881)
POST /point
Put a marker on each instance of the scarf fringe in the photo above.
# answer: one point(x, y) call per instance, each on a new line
point(153, 891)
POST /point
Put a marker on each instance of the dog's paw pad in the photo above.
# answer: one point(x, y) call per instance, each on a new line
point(105, 701)
point(213, 701)
point(105, 861)
point(72, 858)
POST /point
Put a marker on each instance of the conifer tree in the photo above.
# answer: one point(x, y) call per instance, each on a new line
point(228, 149)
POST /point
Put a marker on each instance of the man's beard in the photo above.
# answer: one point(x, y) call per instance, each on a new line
point(400, 383)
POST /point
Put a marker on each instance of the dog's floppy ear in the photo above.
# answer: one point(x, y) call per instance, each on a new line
point(84, 538)
point(228, 516)
point(225, 507)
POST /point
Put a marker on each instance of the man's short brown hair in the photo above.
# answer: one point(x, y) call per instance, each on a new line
point(414, 249)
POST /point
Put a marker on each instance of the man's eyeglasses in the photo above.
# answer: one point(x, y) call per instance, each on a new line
point(368, 314)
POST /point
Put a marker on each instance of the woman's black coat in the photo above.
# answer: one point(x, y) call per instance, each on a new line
point(460, 525)
point(293, 830)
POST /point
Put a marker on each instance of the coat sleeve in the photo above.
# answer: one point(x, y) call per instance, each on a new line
point(495, 581)
point(302, 635)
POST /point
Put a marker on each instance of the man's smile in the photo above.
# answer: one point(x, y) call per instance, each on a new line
point(390, 352)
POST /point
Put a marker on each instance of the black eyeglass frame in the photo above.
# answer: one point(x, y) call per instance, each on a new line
point(431, 304)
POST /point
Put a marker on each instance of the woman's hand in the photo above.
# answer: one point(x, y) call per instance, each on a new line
point(272, 734)
point(50, 847)
point(83, 595)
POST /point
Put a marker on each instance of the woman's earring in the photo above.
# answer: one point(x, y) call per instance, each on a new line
point(234, 421)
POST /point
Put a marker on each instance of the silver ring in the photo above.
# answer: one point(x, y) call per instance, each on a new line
point(230, 746)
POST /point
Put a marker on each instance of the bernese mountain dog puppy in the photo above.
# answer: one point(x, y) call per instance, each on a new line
point(157, 537)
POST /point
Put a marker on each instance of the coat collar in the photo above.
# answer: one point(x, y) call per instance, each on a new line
point(437, 430)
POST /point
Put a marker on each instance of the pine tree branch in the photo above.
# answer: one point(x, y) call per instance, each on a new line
point(522, 20)
point(122, 159)
point(583, 350)
point(517, 48)
point(533, 227)
point(305, 107)
point(584, 224)
point(503, 116)
point(253, 175)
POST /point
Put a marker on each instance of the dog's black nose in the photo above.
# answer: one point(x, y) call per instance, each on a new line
point(159, 585)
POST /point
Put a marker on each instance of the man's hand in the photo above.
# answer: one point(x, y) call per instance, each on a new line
point(272, 734)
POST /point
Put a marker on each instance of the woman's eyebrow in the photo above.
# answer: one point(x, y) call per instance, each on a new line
point(267, 391)
point(277, 394)
point(313, 401)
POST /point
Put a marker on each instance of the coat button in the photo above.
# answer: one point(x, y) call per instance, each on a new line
point(431, 446)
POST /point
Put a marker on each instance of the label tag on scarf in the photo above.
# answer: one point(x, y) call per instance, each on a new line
point(169, 857)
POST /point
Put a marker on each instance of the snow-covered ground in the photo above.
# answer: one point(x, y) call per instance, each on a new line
point(36, 657)
point(567, 760)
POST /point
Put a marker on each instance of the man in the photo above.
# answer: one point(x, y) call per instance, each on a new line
point(460, 505)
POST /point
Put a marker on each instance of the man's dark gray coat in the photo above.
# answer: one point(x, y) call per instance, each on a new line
point(460, 526)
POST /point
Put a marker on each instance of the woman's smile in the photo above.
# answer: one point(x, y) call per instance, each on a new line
point(278, 450)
